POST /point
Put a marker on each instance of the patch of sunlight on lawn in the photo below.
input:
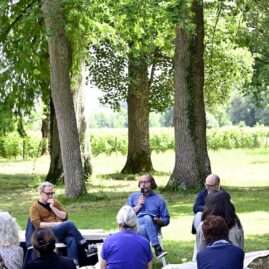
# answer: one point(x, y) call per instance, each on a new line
point(179, 229)
point(29, 167)
point(241, 167)
point(254, 223)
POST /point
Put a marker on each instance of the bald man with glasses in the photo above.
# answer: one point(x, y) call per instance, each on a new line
point(212, 183)
point(48, 212)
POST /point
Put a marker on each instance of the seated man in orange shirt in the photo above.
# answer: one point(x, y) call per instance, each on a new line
point(48, 212)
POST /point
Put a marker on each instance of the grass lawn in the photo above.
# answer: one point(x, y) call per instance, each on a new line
point(243, 173)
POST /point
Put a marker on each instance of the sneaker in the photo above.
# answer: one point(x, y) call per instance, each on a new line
point(159, 252)
point(91, 250)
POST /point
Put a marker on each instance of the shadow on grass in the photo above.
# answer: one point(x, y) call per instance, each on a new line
point(134, 177)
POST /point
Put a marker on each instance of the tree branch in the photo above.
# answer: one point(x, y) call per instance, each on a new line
point(4, 34)
point(214, 28)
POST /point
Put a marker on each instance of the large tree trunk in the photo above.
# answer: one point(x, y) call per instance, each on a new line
point(80, 104)
point(192, 163)
point(81, 108)
point(56, 165)
point(198, 84)
point(139, 154)
point(60, 64)
point(185, 172)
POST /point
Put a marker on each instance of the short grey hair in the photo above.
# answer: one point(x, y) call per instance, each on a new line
point(43, 185)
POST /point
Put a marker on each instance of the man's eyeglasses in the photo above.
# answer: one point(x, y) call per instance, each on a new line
point(211, 186)
point(49, 193)
point(144, 181)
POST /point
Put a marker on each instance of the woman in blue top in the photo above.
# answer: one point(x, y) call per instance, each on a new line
point(220, 253)
point(126, 249)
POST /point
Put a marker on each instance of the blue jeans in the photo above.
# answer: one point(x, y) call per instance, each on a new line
point(69, 234)
point(149, 229)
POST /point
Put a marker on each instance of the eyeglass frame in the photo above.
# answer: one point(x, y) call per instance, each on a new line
point(49, 193)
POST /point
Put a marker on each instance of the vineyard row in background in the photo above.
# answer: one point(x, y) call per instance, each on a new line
point(108, 141)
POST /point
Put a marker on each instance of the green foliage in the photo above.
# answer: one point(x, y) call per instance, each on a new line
point(141, 31)
point(244, 109)
point(161, 142)
point(236, 137)
point(107, 144)
point(256, 15)
point(162, 139)
point(109, 119)
point(24, 69)
point(109, 141)
point(228, 61)
point(14, 146)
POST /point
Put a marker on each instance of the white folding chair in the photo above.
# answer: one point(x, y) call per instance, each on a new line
point(163, 260)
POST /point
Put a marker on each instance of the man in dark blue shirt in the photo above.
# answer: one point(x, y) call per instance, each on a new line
point(151, 212)
point(212, 183)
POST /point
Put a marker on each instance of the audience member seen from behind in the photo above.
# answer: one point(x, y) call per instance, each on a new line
point(219, 204)
point(43, 241)
point(48, 212)
point(212, 183)
point(126, 249)
point(219, 253)
point(10, 251)
point(151, 212)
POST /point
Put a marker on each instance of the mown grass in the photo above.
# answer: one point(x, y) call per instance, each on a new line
point(243, 173)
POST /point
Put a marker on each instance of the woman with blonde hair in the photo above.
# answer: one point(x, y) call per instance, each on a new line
point(10, 251)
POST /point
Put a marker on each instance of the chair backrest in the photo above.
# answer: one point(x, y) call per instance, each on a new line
point(30, 253)
point(28, 233)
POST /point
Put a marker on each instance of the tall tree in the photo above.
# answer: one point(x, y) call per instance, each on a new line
point(139, 155)
point(56, 166)
point(81, 109)
point(60, 63)
point(22, 24)
point(135, 67)
point(192, 163)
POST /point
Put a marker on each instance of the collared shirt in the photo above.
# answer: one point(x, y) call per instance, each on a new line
point(154, 205)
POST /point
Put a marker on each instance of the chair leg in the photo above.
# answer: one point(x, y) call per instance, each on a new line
point(161, 244)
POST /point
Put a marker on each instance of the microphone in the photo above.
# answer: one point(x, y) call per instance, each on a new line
point(142, 192)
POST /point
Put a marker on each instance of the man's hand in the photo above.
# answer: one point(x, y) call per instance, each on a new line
point(158, 221)
point(51, 202)
point(140, 203)
point(141, 200)
point(60, 214)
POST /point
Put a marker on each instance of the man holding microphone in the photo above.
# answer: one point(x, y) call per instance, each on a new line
point(151, 212)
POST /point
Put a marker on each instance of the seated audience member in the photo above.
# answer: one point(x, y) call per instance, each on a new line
point(219, 203)
point(48, 212)
point(219, 253)
point(126, 249)
point(151, 212)
point(11, 253)
point(212, 183)
point(43, 241)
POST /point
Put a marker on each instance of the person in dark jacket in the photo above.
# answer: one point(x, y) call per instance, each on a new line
point(212, 183)
point(43, 241)
point(219, 253)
